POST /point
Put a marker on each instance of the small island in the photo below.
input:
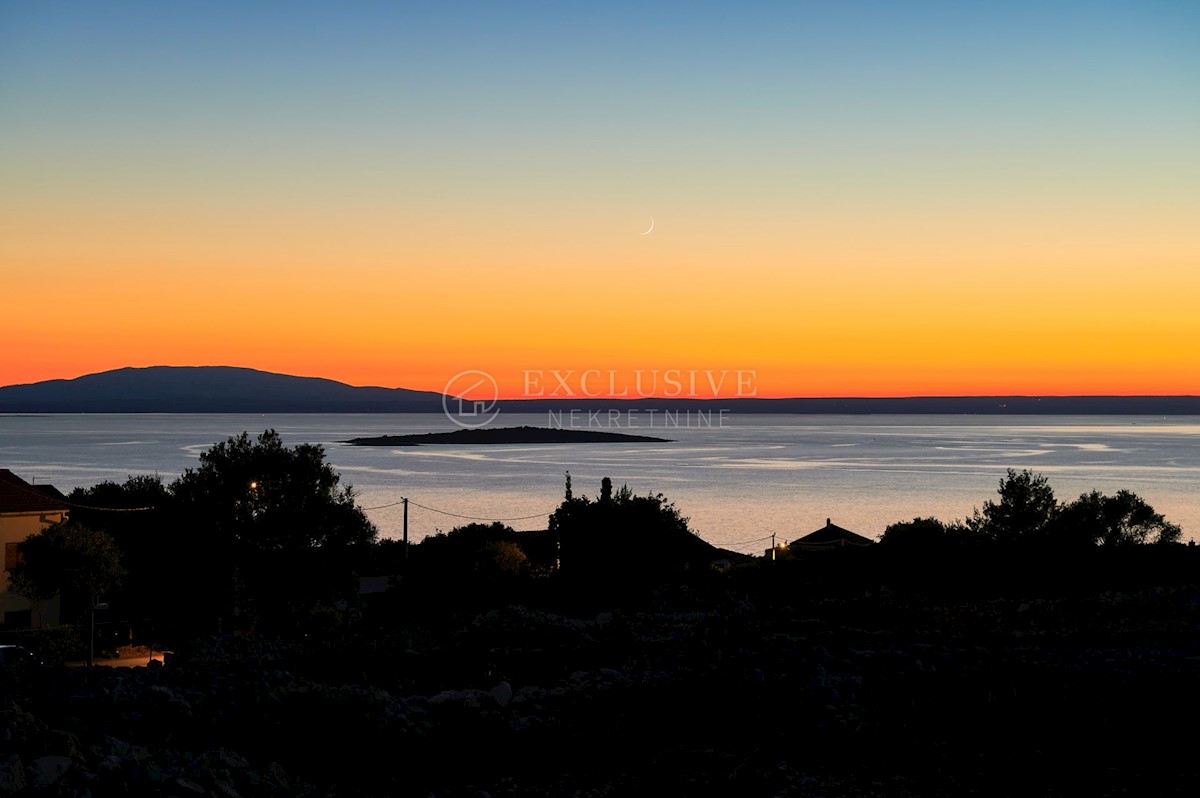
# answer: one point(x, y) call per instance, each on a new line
point(505, 435)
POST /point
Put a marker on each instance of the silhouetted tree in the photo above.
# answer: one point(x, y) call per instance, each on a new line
point(918, 534)
point(274, 524)
point(471, 550)
point(475, 564)
point(1025, 509)
point(503, 558)
point(149, 548)
point(622, 533)
point(69, 558)
point(1122, 520)
point(138, 491)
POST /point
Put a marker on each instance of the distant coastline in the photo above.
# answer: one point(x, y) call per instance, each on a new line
point(505, 435)
point(227, 389)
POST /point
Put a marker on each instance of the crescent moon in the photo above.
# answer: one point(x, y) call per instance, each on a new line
point(649, 229)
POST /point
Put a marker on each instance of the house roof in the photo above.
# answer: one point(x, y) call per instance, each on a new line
point(833, 535)
point(18, 496)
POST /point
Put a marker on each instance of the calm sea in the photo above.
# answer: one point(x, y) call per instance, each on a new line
point(738, 482)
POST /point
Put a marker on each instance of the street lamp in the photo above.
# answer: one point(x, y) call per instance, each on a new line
point(96, 605)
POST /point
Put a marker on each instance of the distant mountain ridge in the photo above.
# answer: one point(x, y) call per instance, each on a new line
point(209, 389)
point(232, 389)
point(902, 405)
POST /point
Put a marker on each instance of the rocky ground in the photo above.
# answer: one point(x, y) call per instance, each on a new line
point(714, 692)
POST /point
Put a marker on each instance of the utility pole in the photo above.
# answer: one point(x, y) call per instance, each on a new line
point(772, 547)
point(91, 662)
point(406, 534)
point(96, 605)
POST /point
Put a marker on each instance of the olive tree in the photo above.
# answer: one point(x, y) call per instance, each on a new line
point(271, 527)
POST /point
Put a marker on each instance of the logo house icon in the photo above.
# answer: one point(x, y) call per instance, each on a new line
point(461, 402)
point(471, 407)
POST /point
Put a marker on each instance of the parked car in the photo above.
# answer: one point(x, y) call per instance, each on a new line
point(17, 658)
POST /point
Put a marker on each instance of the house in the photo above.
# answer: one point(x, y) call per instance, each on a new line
point(25, 510)
point(830, 536)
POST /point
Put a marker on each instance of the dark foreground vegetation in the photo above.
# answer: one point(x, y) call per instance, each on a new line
point(969, 661)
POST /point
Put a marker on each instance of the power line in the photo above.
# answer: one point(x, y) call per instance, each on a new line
point(458, 515)
point(382, 506)
point(76, 505)
point(110, 509)
point(479, 518)
point(739, 542)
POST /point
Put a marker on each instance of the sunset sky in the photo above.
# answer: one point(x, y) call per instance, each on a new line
point(849, 198)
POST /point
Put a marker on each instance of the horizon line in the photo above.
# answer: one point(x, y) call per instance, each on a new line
point(653, 397)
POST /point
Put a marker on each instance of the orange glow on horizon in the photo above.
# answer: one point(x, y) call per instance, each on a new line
point(957, 306)
point(921, 313)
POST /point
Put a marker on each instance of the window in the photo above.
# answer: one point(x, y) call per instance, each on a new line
point(11, 556)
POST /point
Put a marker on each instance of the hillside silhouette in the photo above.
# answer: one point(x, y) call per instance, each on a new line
point(209, 389)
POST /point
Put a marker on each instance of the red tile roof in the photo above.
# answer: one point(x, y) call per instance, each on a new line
point(18, 496)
